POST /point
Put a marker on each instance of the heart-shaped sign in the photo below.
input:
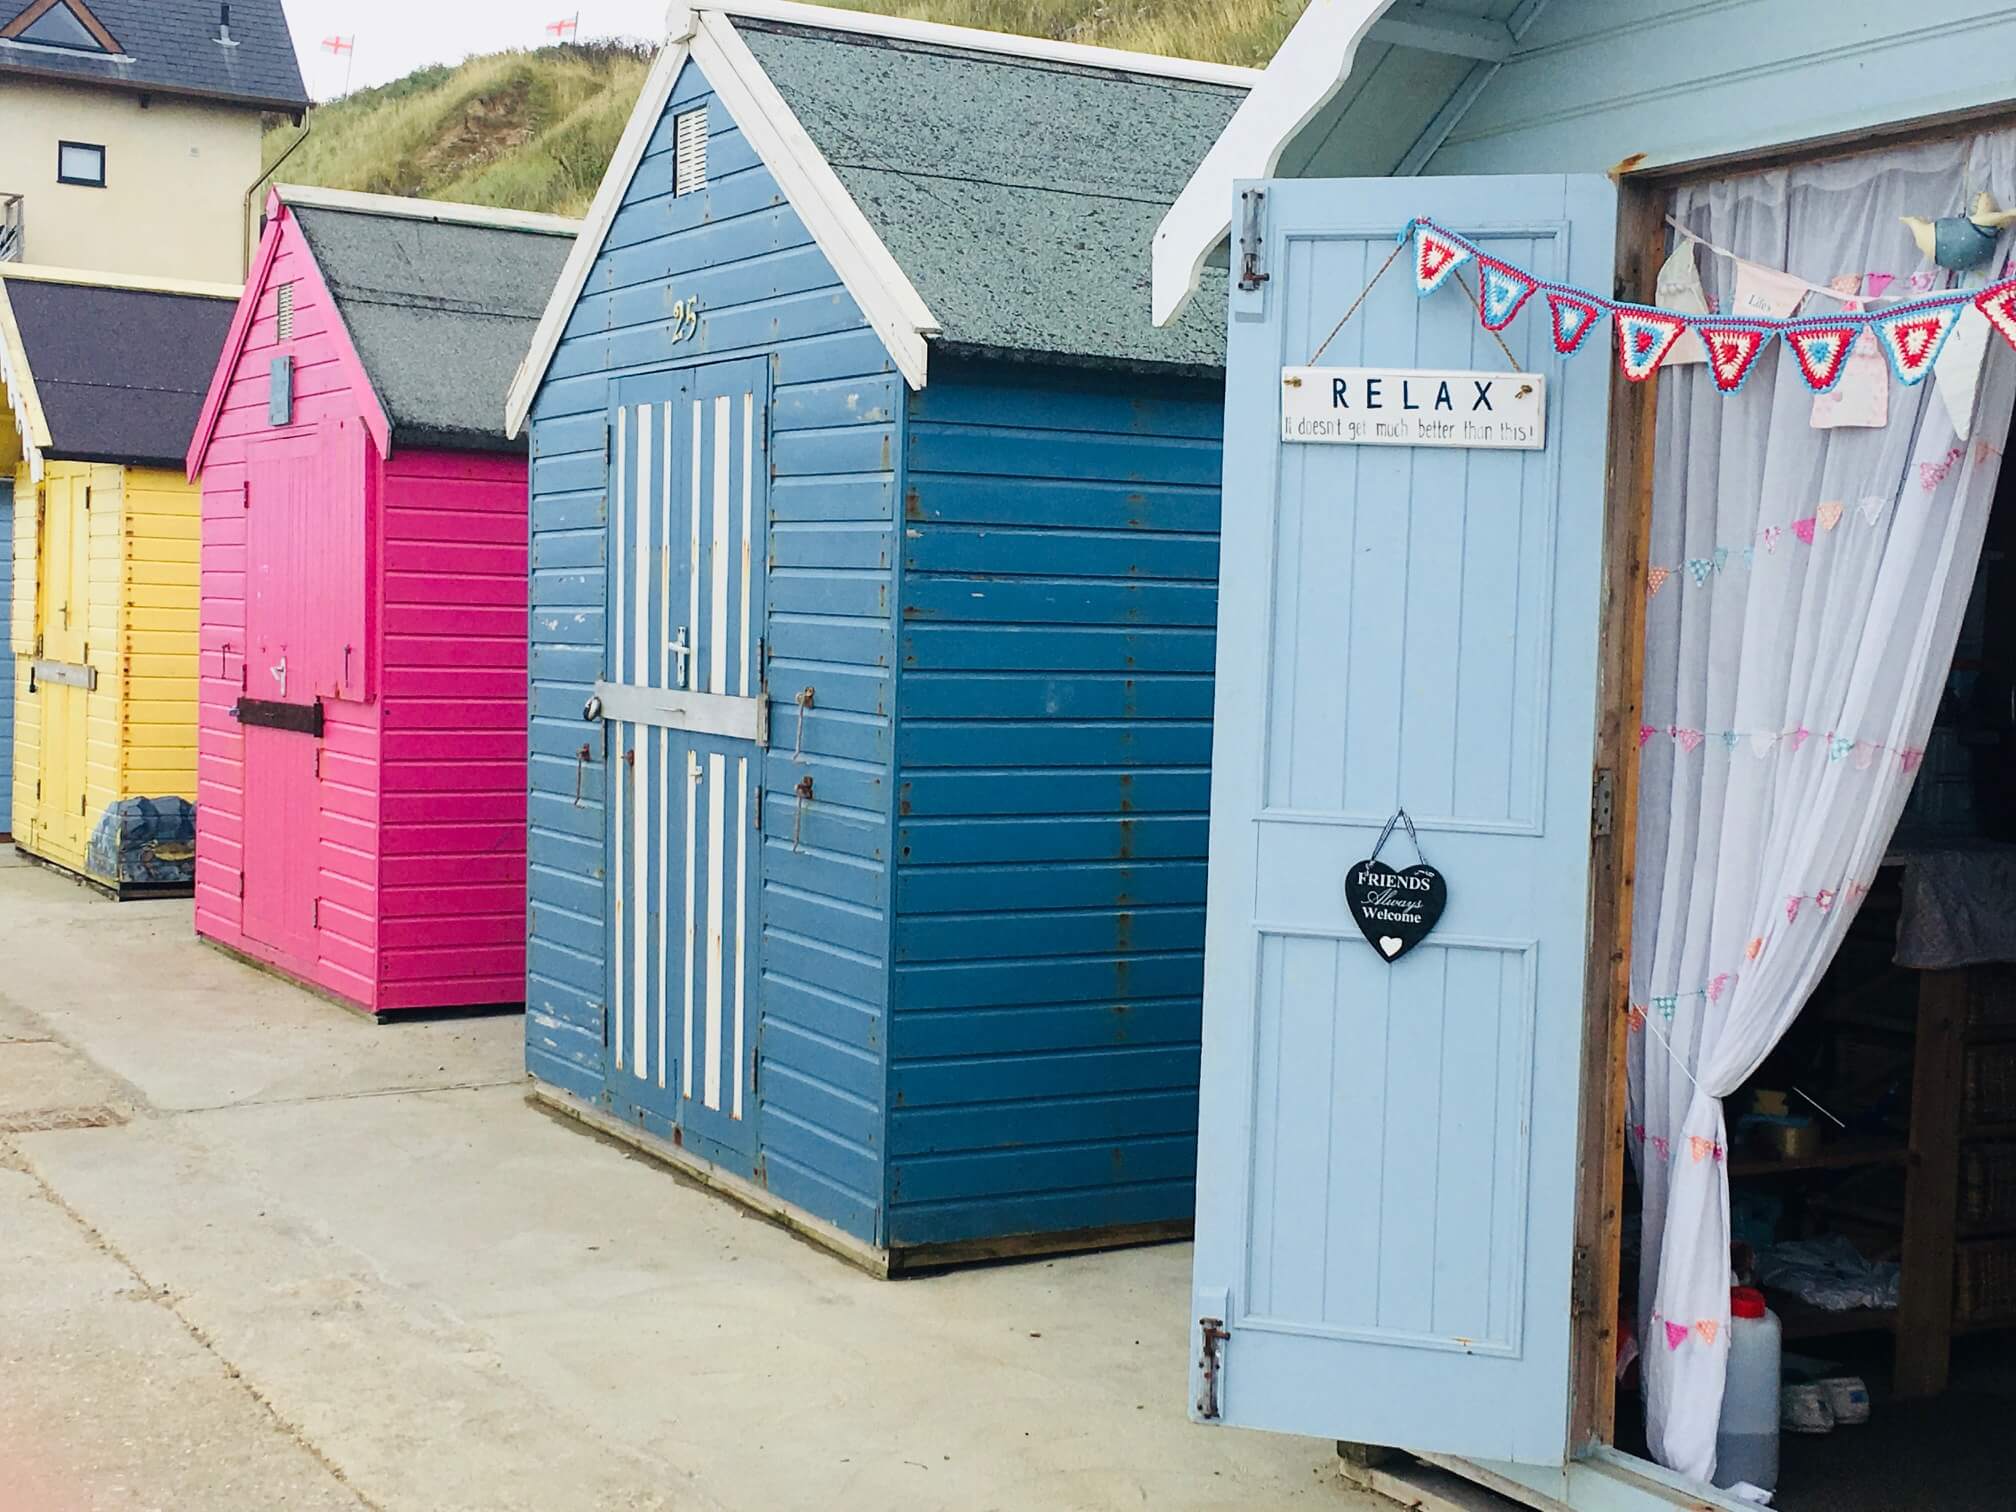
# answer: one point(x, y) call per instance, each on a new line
point(1395, 909)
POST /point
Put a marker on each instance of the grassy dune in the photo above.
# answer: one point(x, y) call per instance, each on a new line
point(534, 130)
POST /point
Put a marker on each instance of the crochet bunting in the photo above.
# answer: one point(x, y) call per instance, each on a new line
point(1822, 354)
point(1732, 351)
point(1644, 337)
point(1504, 292)
point(1911, 338)
point(1999, 305)
point(1437, 255)
point(1574, 317)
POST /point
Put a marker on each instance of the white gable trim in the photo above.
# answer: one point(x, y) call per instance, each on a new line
point(888, 299)
point(19, 383)
point(630, 149)
point(705, 35)
point(972, 39)
point(1306, 74)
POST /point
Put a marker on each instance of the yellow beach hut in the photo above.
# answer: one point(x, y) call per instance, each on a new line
point(103, 378)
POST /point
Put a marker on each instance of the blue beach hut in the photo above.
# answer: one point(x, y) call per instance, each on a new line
point(874, 555)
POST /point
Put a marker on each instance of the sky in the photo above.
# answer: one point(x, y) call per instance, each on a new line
point(394, 37)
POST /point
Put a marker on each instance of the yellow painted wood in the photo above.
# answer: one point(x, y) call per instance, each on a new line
point(105, 575)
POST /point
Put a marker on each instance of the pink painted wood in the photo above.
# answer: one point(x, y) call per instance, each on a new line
point(403, 834)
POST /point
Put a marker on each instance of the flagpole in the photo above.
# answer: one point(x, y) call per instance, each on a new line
point(350, 68)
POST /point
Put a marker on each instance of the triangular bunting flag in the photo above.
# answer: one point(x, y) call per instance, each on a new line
point(1574, 316)
point(1655, 580)
point(1911, 338)
point(1504, 293)
point(1822, 353)
point(1644, 337)
point(1732, 351)
point(1436, 256)
point(1999, 305)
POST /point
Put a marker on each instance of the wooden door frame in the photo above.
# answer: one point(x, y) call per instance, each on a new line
point(1641, 249)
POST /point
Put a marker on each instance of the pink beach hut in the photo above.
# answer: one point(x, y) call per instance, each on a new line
point(361, 746)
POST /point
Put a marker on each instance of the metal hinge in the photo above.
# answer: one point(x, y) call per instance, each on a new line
point(1582, 1283)
point(315, 912)
point(83, 805)
point(1601, 802)
point(757, 821)
point(318, 763)
point(38, 787)
point(1211, 1366)
point(241, 884)
point(245, 496)
point(1252, 202)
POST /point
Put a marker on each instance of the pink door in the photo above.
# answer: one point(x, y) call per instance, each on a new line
point(279, 711)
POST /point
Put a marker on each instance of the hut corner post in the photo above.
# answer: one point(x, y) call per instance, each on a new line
point(1641, 246)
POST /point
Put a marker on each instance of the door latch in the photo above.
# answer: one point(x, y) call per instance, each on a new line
point(1251, 273)
point(1211, 1366)
point(279, 671)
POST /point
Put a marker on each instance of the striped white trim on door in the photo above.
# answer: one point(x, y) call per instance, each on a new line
point(680, 983)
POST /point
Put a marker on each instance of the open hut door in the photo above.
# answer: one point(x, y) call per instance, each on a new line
point(1388, 1171)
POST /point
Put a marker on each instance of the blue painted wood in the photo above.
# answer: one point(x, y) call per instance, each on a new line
point(6, 655)
point(823, 982)
point(1059, 565)
point(1388, 1158)
point(987, 611)
point(1709, 80)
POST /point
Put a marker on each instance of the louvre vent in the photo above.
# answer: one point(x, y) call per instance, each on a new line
point(285, 317)
point(689, 137)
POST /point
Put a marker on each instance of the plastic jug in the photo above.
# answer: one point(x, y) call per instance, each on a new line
point(1746, 1438)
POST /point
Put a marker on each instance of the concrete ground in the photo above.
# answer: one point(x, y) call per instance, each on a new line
point(257, 1253)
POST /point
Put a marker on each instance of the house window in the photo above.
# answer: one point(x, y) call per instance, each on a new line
point(689, 141)
point(283, 313)
point(80, 163)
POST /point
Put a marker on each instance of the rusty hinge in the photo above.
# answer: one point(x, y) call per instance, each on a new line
point(1601, 801)
point(318, 763)
point(315, 912)
point(38, 787)
point(1211, 1365)
point(244, 495)
point(83, 801)
point(1582, 1283)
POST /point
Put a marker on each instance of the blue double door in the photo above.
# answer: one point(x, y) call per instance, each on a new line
point(684, 701)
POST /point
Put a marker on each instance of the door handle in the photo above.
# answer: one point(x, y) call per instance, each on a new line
point(279, 671)
point(682, 656)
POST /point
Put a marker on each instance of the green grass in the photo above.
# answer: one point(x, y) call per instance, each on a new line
point(534, 130)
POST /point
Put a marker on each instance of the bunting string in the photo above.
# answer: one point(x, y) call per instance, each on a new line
point(1911, 335)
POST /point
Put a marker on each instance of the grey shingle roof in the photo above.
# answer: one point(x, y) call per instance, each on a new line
point(121, 373)
point(441, 313)
point(172, 46)
point(1019, 195)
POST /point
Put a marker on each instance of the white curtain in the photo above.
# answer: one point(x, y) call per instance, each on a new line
point(1807, 587)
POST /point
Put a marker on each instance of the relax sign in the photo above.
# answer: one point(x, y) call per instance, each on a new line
point(1407, 407)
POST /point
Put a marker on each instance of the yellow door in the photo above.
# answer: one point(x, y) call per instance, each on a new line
point(60, 823)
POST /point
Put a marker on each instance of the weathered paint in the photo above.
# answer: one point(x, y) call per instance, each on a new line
point(384, 861)
point(103, 576)
point(1059, 588)
point(995, 596)
point(763, 289)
